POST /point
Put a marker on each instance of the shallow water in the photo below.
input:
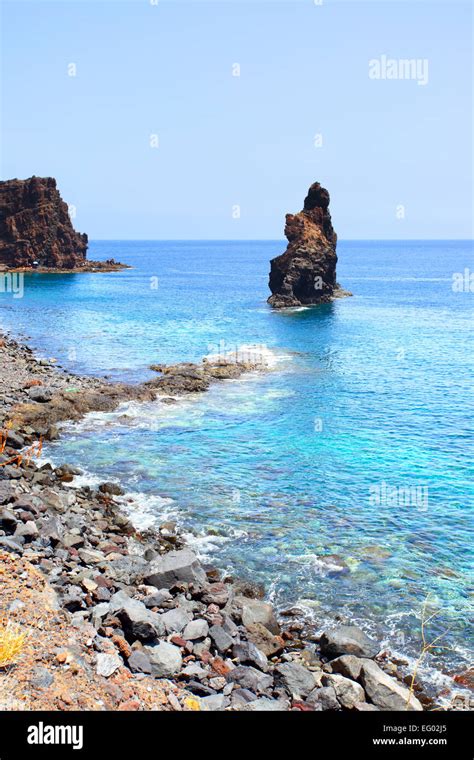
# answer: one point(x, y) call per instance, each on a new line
point(282, 473)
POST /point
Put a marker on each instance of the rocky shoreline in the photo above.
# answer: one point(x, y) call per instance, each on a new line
point(110, 265)
point(129, 620)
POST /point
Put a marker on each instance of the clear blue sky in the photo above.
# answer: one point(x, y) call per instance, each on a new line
point(166, 69)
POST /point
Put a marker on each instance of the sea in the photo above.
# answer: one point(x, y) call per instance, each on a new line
point(340, 476)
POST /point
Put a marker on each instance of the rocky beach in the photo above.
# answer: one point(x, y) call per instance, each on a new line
point(117, 618)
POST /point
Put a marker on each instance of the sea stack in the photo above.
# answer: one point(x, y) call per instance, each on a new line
point(306, 273)
point(35, 227)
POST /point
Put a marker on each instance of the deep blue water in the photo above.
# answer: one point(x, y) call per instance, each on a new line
point(281, 470)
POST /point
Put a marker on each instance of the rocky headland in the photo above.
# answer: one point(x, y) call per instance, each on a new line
point(305, 274)
point(118, 618)
point(36, 232)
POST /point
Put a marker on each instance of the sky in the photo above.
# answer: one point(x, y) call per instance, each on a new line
point(168, 119)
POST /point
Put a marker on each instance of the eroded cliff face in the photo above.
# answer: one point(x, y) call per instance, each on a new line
point(306, 273)
point(35, 226)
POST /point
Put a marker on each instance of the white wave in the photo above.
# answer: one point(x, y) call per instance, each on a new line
point(321, 565)
point(253, 353)
point(147, 510)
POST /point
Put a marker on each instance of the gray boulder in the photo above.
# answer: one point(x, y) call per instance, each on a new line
point(196, 629)
point(213, 702)
point(165, 659)
point(221, 639)
point(240, 697)
point(128, 570)
point(298, 680)
point(347, 665)
point(40, 394)
point(15, 440)
point(385, 692)
point(348, 692)
point(107, 664)
point(138, 622)
point(175, 620)
point(158, 598)
point(138, 662)
point(250, 678)
point(8, 520)
point(175, 567)
point(324, 699)
point(347, 639)
point(254, 611)
point(265, 705)
point(7, 492)
point(247, 653)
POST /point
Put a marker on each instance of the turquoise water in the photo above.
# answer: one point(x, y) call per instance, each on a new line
point(280, 471)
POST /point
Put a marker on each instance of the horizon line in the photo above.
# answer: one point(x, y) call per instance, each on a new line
point(276, 240)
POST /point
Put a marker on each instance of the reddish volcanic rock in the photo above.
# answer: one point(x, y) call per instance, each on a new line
point(306, 273)
point(35, 226)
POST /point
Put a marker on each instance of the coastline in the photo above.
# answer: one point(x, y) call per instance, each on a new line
point(88, 266)
point(210, 642)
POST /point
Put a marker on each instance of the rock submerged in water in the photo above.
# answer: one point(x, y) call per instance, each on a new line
point(306, 273)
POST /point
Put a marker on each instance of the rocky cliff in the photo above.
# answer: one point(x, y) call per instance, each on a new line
point(35, 226)
point(306, 273)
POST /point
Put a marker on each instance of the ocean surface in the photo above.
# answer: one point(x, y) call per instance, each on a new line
point(342, 477)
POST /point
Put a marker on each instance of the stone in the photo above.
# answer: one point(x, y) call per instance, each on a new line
point(89, 585)
point(7, 492)
point(40, 395)
point(306, 273)
point(196, 629)
point(255, 611)
point(107, 664)
point(219, 684)
point(28, 530)
point(111, 489)
point(165, 659)
point(221, 639)
point(250, 678)
point(11, 545)
point(385, 692)
point(41, 678)
point(348, 692)
point(267, 642)
point(324, 698)
point(213, 702)
point(127, 570)
point(138, 622)
point(14, 440)
point(194, 670)
point(216, 593)
point(298, 680)
point(175, 620)
point(347, 665)
point(51, 529)
point(347, 639)
point(67, 469)
point(138, 662)
point(36, 227)
point(158, 598)
point(175, 567)
point(241, 697)
point(229, 626)
point(247, 654)
point(8, 520)
point(263, 704)
point(91, 556)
